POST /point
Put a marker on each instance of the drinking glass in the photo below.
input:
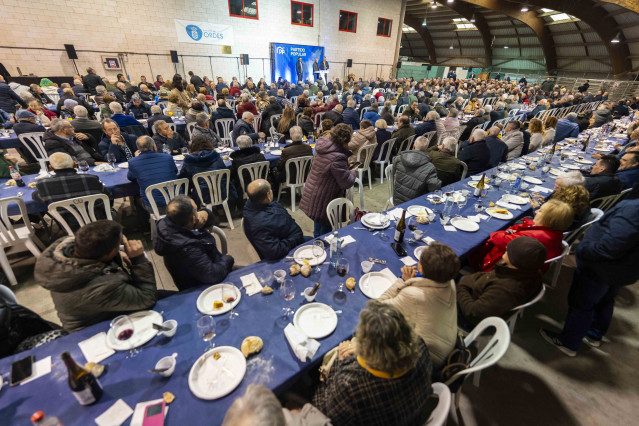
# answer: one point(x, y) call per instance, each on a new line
point(265, 277)
point(123, 329)
point(184, 150)
point(318, 250)
point(166, 149)
point(111, 159)
point(83, 166)
point(206, 330)
point(145, 116)
point(279, 275)
point(437, 196)
point(461, 202)
point(287, 292)
point(479, 207)
point(228, 296)
point(342, 271)
point(367, 266)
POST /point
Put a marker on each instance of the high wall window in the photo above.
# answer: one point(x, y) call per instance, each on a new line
point(347, 21)
point(243, 8)
point(301, 14)
point(384, 27)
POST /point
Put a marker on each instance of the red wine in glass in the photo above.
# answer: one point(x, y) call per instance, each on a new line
point(342, 271)
point(412, 227)
point(125, 334)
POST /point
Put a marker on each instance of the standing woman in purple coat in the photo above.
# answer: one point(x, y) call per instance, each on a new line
point(329, 177)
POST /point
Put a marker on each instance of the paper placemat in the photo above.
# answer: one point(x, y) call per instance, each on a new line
point(95, 348)
point(428, 240)
point(450, 228)
point(115, 415)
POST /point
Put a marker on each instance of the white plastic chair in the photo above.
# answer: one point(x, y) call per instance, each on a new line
point(274, 118)
point(439, 416)
point(34, 143)
point(189, 129)
point(224, 245)
point(391, 185)
point(299, 167)
point(81, 208)
point(401, 109)
point(338, 208)
point(571, 236)
point(556, 263)
point(213, 180)
point(169, 190)
point(17, 237)
point(364, 156)
point(227, 126)
point(363, 111)
point(464, 170)
point(519, 310)
point(256, 171)
point(405, 144)
point(257, 123)
point(488, 356)
point(351, 190)
point(430, 136)
point(384, 156)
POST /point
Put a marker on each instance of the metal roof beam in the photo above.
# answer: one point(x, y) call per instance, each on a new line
point(412, 21)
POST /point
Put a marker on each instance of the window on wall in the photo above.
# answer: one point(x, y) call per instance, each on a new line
point(243, 8)
point(301, 14)
point(384, 27)
point(347, 21)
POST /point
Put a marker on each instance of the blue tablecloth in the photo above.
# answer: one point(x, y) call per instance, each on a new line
point(116, 181)
point(276, 366)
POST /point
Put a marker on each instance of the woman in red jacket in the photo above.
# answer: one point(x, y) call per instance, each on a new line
point(246, 105)
point(235, 90)
point(551, 219)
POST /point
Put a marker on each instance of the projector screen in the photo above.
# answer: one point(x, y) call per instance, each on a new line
point(284, 56)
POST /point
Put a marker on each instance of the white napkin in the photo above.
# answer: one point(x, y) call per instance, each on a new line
point(95, 348)
point(538, 188)
point(40, 368)
point(115, 415)
point(428, 240)
point(450, 228)
point(276, 152)
point(220, 150)
point(509, 206)
point(389, 274)
point(251, 284)
point(408, 261)
point(104, 167)
point(475, 218)
point(483, 216)
point(124, 165)
point(396, 214)
point(346, 240)
point(303, 346)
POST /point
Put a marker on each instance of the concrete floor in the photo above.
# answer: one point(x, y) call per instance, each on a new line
point(533, 384)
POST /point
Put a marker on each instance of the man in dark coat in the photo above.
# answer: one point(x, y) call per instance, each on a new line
point(415, 174)
point(91, 81)
point(247, 154)
point(68, 94)
point(498, 148)
point(606, 262)
point(316, 74)
point(189, 250)
point(273, 108)
point(245, 127)
point(601, 181)
point(9, 99)
point(156, 114)
point(268, 226)
point(404, 131)
point(222, 111)
point(61, 137)
point(335, 115)
point(472, 123)
point(299, 70)
point(475, 153)
point(628, 172)
point(350, 116)
point(196, 81)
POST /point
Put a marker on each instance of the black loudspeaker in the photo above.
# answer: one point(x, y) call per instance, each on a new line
point(244, 59)
point(399, 65)
point(430, 67)
point(174, 57)
point(349, 63)
point(71, 51)
point(4, 72)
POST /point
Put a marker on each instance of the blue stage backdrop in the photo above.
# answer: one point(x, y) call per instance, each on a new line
point(284, 56)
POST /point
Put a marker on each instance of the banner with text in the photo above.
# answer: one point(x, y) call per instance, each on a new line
point(285, 57)
point(204, 32)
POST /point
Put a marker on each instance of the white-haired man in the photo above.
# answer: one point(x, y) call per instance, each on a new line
point(415, 173)
point(156, 114)
point(119, 117)
point(247, 154)
point(202, 128)
point(514, 138)
point(498, 112)
point(244, 126)
point(166, 139)
point(566, 128)
point(570, 178)
point(449, 168)
point(475, 153)
point(61, 137)
point(82, 123)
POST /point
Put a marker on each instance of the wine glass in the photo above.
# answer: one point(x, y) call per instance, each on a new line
point(287, 292)
point(229, 294)
point(111, 159)
point(342, 271)
point(318, 250)
point(83, 166)
point(145, 116)
point(166, 149)
point(123, 330)
point(265, 277)
point(184, 150)
point(479, 207)
point(206, 330)
point(461, 202)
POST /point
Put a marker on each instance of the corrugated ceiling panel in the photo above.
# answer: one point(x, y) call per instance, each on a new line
point(568, 38)
point(597, 50)
point(626, 18)
point(532, 52)
point(570, 51)
point(591, 36)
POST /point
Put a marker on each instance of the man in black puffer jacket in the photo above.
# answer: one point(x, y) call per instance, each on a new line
point(415, 174)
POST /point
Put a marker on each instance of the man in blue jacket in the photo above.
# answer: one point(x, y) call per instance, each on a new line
point(268, 226)
point(189, 249)
point(138, 108)
point(628, 172)
point(351, 117)
point(9, 99)
point(122, 145)
point(150, 167)
point(606, 262)
point(245, 127)
point(567, 128)
point(123, 120)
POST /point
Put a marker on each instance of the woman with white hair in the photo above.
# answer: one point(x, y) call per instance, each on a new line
point(451, 122)
point(384, 378)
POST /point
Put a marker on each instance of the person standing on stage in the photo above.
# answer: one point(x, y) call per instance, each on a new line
point(316, 74)
point(324, 67)
point(299, 68)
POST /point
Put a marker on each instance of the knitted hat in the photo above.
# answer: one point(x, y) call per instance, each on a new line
point(526, 253)
point(24, 114)
point(46, 82)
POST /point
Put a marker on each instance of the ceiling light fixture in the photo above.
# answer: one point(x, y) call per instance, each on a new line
point(434, 5)
point(472, 18)
point(617, 38)
point(451, 1)
point(505, 47)
point(524, 8)
point(451, 47)
point(424, 22)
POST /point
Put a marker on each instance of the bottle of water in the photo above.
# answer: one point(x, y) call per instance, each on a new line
point(517, 184)
point(334, 246)
point(448, 206)
point(179, 113)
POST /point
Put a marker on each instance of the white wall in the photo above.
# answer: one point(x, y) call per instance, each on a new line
point(146, 27)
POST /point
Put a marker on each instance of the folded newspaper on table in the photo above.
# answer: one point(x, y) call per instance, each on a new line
point(303, 346)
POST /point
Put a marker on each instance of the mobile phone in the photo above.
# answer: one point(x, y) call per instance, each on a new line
point(21, 370)
point(399, 250)
point(154, 415)
point(355, 164)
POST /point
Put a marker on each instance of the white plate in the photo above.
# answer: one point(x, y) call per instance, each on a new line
point(276, 152)
point(205, 300)
point(372, 220)
point(516, 166)
point(464, 224)
point(474, 184)
point(212, 378)
point(533, 180)
point(374, 284)
point(506, 176)
point(572, 166)
point(143, 331)
point(418, 252)
point(316, 320)
point(417, 210)
point(556, 172)
point(429, 197)
point(604, 149)
point(514, 199)
point(178, 157)
point(306, 253)
point(584, 161)
point(502, 216)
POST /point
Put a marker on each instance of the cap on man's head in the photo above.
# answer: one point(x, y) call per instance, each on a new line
point(23, 114)
point(526, 253)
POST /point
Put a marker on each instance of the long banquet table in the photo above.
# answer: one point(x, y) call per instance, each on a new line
point(275, 366)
